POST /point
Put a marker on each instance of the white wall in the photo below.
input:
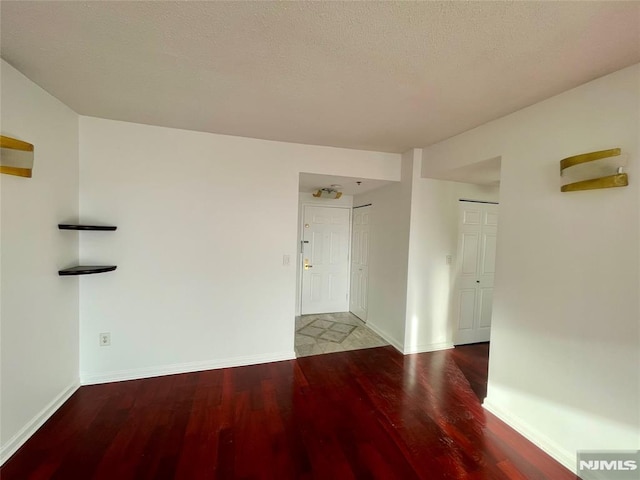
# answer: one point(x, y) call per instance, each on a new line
point(39, 309)
point(388, 254)
point(305, 198)
point(564, 365)
point(434, 234)
point(203, 223)
point(413, 229)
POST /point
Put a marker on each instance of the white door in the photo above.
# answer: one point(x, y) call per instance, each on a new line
point(325, 259)
point(473, 289)
point(360, 262)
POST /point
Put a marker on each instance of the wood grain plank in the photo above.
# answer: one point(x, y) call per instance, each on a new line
point(363, 414)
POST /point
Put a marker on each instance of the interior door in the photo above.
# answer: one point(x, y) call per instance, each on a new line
point(475, 267)
point(325, 259)
point(360, 262)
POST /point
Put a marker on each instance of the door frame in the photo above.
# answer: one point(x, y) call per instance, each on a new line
point(300, 262)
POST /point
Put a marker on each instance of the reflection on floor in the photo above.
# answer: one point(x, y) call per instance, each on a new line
point(333, 332)
point(360, 415)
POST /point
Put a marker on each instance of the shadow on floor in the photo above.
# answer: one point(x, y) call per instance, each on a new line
point(473, 361)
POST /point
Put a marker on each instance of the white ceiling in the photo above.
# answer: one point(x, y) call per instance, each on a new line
point(311, 182)
point(383, 76)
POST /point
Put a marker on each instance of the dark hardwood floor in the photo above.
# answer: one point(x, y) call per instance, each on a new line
point(354, 415)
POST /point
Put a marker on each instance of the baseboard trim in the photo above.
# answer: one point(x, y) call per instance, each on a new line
point(551, 448)
point(424, 348)
point(394, 343)
point(429, 347)
point(36, 422)
point(189, 367)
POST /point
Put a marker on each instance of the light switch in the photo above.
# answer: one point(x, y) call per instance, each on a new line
point(449, 259)
point(286, 260)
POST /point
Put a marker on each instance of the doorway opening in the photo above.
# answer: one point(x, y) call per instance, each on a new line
point(330, 287)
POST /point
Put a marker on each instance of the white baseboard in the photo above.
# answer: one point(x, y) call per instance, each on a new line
point(551, 448)
point(394, 343)
point(424, 348)
point(429, 347)
point(15, 442)
point(149, 372)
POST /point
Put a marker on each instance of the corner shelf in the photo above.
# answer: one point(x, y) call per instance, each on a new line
point(101, 228)
point(86, 270)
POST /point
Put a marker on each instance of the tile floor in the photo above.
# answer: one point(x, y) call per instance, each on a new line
point(333, 332)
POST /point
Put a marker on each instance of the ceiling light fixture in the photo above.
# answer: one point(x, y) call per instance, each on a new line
point(329, 192)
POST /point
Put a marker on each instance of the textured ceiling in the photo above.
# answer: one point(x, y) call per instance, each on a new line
point(381, 76)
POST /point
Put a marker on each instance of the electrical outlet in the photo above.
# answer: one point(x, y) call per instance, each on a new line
point(449, 259)
point(105, 339)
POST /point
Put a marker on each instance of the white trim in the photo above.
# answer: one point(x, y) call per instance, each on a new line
point(428, 347)
point(394, 343)
point(189, 367)
point(36, 422)
point(424, 348)
point(561, 455)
